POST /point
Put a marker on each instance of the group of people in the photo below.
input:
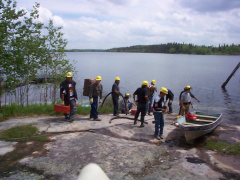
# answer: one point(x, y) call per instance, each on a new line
point(143, 97)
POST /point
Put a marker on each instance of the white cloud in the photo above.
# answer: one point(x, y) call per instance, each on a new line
point(114, 23)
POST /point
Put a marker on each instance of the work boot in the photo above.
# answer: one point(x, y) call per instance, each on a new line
point(157, 137)
point(98, 119)
point(142, 125)
point(135, 121)
point(70, 120)
point(161, 136)
point(153, 122)
point(149, 114)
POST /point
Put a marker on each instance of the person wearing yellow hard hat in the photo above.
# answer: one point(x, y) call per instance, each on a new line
point(158, 109)
point(152, 90)
point(68, 95)
point(142, 100)
point(115, 95)
point(186, 88)
point(126, 104)
point(95, 92)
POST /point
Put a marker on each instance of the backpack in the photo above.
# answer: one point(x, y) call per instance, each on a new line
point(87, 84)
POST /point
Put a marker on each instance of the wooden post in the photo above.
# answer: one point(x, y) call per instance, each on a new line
point(225, 83)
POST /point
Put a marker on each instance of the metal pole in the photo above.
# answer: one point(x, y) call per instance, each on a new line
point(225, 83)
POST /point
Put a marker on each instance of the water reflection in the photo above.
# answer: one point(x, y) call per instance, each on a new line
point(232, 106)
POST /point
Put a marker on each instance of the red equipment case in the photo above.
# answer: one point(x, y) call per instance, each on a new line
point(62, 108)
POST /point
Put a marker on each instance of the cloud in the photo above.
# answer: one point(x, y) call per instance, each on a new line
point(103, 24)
point(210, 6)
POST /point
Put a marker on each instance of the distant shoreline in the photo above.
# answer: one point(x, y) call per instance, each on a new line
point(171, 48)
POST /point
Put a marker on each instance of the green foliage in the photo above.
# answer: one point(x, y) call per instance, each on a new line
point(178, 48)
point(223, 146)
point(26, 53)
point(22, 133)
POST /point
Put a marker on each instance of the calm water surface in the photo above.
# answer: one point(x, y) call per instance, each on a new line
point(205, 73)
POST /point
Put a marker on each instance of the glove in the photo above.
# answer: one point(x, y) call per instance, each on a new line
point(91, 100)
point(100, 101)
point(118, 97)
point(62, 103)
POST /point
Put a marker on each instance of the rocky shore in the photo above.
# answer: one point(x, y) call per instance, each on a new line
point(121, 149)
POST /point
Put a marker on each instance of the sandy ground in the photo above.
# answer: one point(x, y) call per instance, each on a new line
point(121, 149)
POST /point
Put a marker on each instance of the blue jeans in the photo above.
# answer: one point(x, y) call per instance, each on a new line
point(129, 106)
point(94, 106)
point(159, 123)
point(150, 104)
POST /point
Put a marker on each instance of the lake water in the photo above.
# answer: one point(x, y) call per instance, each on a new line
point(205, 73)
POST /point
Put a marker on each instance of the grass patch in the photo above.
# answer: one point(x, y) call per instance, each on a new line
point(223, 146)
point(14, 110)
point(22, 134)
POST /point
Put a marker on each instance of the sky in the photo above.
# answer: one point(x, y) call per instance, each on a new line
point(104, 24)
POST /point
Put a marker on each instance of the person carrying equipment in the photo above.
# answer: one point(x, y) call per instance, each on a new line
point(169, 97)
point(152, 89)
point(126, 107)
point(68, 95)
point(142, 96)
point(115, 95)
point(158, 109)
point(95, 91)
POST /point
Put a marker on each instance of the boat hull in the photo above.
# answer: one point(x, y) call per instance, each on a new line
point(192, 132)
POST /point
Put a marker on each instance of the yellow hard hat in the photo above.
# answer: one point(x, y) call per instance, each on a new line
point(127, 95)
point(153, 82)
point(69, 74)
point(145, 83)
point(187, 87)
point(98, 78)
point(164, 90)
point(117, 79)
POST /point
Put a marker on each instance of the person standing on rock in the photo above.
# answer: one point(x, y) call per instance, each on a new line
point(68, 95)
point(142, 100)
point(115, 95)
point(152, 89)
point(169, 99)
point(95, 92)
point(158, 110)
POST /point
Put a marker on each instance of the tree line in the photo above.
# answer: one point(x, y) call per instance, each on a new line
point(181, 48)
point(29, 49)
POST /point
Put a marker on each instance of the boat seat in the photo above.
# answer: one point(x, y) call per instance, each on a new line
point(203, 120)
point(191, 124)
point(211, 117)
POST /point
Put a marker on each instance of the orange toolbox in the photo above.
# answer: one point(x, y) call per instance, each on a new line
point(62, 108)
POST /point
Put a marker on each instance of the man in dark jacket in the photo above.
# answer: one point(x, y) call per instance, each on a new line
point(115, 95)
point(142, 96)
point(68, 95)
point(95, 91)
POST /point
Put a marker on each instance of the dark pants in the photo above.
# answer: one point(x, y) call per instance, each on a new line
point(73, 109)
point(159, 123)
point(141, 108)
point(115, 104)
point(170, 105)
point(94, 106)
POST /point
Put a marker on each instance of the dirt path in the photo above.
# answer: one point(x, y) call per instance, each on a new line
point(123, 151)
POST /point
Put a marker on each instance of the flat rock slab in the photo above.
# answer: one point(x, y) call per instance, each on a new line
point(121, 149)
